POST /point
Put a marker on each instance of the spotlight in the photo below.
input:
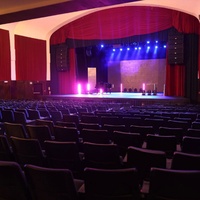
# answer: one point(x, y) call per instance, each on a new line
point(102, 45)
point(128, 48)
point(113, 49)
point(165, 46)
point(156, 46)
point(121, 49)
point(148, 42)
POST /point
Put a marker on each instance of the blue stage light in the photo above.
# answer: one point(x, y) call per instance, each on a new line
point(164, 46)
point(121, 49)
point(156, 46)
point(113, 49)
point(102, 45)
point(148, 42)
point(128, 48)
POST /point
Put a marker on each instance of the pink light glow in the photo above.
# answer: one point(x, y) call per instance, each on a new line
point(143, 86)
point(88, 87)
point(121, 87)
point(101, 91)
point(79, 88)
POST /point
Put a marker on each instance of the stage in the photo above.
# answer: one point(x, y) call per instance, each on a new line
point(136, 99)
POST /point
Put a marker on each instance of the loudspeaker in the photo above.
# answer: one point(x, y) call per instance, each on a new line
point(62, 58)
point(175, 47)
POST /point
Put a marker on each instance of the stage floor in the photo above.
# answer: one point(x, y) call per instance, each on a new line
point(136, 98)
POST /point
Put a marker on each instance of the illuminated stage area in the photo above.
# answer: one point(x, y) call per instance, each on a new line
point(136, 99)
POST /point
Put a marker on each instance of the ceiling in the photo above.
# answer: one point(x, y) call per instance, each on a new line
point(40, 18)
point(12, 10)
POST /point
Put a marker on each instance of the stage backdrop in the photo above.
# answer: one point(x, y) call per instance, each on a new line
point(133, 73)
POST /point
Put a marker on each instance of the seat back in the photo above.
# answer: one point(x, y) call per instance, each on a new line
point(6, 153)
point(63, 155)
point(162, 143)
point(126, 139)
point(39, 132)
point(13, 184)
point(96, 136)
point(107, 184)
point(144, 159)
point(174, 184)
point(48, 123)
point(51, 184)
point(191, 145)
point(185, 161)
point(16, 130)
point(143, 130)
point(27, 151)
point(8, 116)
point(56, 116)
point(101, 155)
point(167, 131)
point(67, 134)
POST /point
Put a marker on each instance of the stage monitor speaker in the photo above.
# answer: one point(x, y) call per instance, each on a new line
point(62, 58)
point(175, 47)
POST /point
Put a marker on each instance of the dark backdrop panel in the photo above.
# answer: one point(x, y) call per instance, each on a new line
point(191, 62)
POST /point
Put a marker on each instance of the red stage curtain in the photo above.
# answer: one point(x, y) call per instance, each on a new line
point(67, 80)
point(175, 80)
point(124, 22)
point(30, 58)
point(5, 57)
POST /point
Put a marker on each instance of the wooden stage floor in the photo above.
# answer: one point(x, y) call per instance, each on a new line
point(133, 98)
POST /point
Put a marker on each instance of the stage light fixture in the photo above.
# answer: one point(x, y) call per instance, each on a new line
point(121, 88)
point(143, 86)
point(88, 88)
point(165, 46)
point(156, 41)
point(102, 45)
point(140, 48)
point(148, 42)
point(101, 91)
point(136, 48)
point(156, 46)
point(114, 50)
point(128, 48)
point(121, 49)
point(79, 88)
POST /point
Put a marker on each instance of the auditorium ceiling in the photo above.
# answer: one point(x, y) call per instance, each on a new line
point(40, 18)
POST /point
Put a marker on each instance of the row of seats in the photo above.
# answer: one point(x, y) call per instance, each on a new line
point(57, 154)
point(40, 183)
point(168, 139)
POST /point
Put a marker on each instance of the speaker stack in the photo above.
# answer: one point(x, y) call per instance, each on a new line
point(62, 58)
point(175, 47)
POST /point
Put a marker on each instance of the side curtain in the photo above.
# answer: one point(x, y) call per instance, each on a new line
point(30, 58)
point(5, 57)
